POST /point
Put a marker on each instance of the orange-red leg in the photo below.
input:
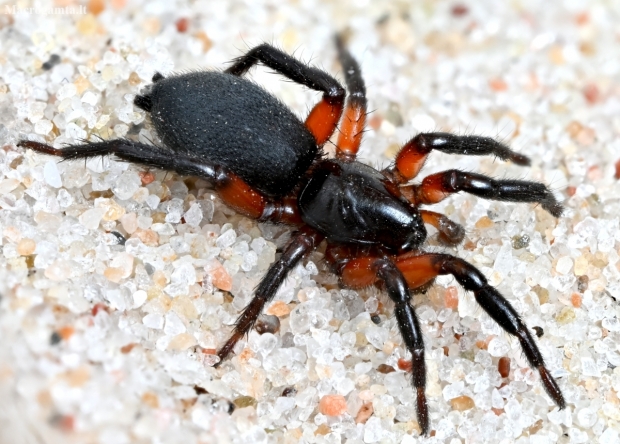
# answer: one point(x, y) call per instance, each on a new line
point(232, 189)
point(436, 187)
point(412, 155)
point(354, 119)
point(450, 233)
point(367, 270)
point(421, 269)
point(324, 117)
point(244, 199)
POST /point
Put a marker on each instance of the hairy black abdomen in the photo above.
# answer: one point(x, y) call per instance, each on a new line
point(234, 123)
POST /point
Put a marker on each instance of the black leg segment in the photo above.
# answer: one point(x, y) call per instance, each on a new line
point(410, 330)
point(501, 312)
point(436, 187)
point(352, 74)
point(135, 152)
point(290, 68)
point(302, 243)
point(467, 145)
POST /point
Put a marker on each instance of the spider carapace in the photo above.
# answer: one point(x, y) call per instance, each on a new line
point(267, 164)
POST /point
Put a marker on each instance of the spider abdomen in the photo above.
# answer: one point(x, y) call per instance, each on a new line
point(233, 122)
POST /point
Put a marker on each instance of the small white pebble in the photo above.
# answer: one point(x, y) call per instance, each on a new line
point(564, 265)
point(498, 347)
point(65, 91)
point(126, 185)
point(43, 127)
point(139, 298)
point(153, 320)
point(193, 216)
point(90, 97)
point(609, 436)
point(51, 174)
point(174, 324)
point(226, 239)
point(91, 218)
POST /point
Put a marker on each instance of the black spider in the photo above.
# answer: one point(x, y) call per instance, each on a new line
point(267, 164)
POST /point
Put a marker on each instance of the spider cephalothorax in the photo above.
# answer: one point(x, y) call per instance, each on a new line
point(267, 164)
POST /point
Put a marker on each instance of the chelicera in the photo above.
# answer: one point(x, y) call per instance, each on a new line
point(267, 164)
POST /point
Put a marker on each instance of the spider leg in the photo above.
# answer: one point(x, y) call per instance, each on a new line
point(410, 330)
point(369, 268)
point(418, 271)
point(354, 118)
point(411, 157)
point(421, 269)
point(450, 233)
point(231, 188)
point(324, 117)
point(438, 186)
point(302, 243)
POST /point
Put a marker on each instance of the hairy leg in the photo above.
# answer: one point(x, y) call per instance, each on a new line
point(411, 157)
point(231, 188)
point(437, 187)
point(354, 118)
point(418, 270)
point(302, 243)
point(324, 117)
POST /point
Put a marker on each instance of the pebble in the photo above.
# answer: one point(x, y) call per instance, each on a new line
point(124, 263)
point(153, 320)
point(139, 298)
point(332, 405)
point(451, 298)
point(385, 369)
point(279, 309)
point(174, 324)
point(220, 277)
point(364, 413)
point(8, 185)
point(91, 218)
point(182, 341)
point(563, 265)
point(462, 403)
point(503, 366)
point(129, 222)
point(59, 270)
point(484, 222)
point(245, 401)
point(126, 185)
point(26, 247)
point(184, 307)
point(565, 316)
point(226, 239)
point(193, 216)
point(148, 237)
point(50, 170)
point(113, 211)
point(113, 274)
point(267, 324)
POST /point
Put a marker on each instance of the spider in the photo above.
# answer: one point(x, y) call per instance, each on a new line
point(267, 164)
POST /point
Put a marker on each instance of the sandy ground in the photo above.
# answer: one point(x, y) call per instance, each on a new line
point(105, 342)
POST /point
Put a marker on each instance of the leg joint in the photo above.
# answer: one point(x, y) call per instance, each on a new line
point(423, 143)
point(335, 94)
point(466, 274)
